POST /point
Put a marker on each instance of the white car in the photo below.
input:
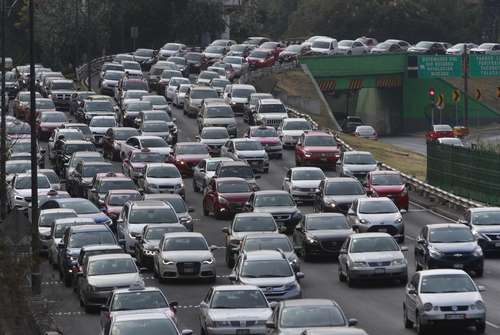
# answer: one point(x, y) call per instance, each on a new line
point(458, 49)
point(324, 46)
point(245, 149)
point(162, 178)
point(19, 190)
point(158, 102)
point(303, 182)
point(55, 182)
point(205, 77)
point(350, 47)
point(487, 49)
point(153, 143)
point(291, 129)
point(180, 94)
point(173, 84)
point(239, 65)
point(367, 132)
point(445, 296)
point(454, 141)
point(132, 69)
point(45, 220)
point(155, 128)
point(270, 112)
point(69, 134)
point(99, 125)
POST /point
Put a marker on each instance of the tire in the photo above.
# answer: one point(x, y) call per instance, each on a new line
point(350, 282)
point(407, 322)
point(196, 189)
point(229, 259)
point(341, 276)
point(421, 329)
point(480, 327)
point(206, 212)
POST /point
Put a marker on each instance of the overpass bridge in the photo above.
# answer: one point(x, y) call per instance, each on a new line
point(381, 90)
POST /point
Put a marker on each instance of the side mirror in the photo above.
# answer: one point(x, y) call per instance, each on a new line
point(258, 177)
point(404, 249)
point(420, 241)
point(462, 221)
point(198, 137)
point(93, 190)
point(273, 304)
point(232, 277)
point(190, 210)
point(287, 179)
point(299, 228)
point(299, 275)
point(225, 230)
point(352, 322)
point(350, 212)
point(481, 288)
point(173, 304)
point(412, 291)
point(60, 245)
point(187, 332)
point(119, 221)
point(213, 248)
point(270, 324)
point(403, 211)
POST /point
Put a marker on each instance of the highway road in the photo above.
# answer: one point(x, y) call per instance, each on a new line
point(377, 306)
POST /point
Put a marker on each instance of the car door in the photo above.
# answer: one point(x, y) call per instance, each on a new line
point(358, 48)
point(411, 296)
point(120, 224)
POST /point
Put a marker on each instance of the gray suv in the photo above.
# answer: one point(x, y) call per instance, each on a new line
point(217, 114)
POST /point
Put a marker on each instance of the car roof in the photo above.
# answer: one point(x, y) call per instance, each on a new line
point(271, 192)
point(264, 235)
point(134, 290)
point(309, 301)
point(356, 152)
point(484, 209)
point(269, 101)
point(305, 168)
point(140, 316)
point(109, 256)
point(235, 288)
point(384, 172)
point(322, 215)
point(228, 179)
point(386, 199)
point(316, 133)
point(124, 191)
point(57, 210)
point(162, 225)
point(441, 272)
point(186, 234)
point(78, 220)
point(446, 225)
point(231, 163)
point(149, 203)
point(162, 196)
point(370, 235)
point(263, 255)
point(252, 214)
point(93, 227)
point(243, 139)
point(97, 247)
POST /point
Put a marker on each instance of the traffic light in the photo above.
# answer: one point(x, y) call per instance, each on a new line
point(432, 94)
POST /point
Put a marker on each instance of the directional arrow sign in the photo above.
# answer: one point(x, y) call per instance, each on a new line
point(477, 94)
point(455, 96)
point(440, 101)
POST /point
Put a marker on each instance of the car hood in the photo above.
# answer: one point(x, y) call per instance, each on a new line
point(217, 121)
point(331, 330)
point(165, 310)
point(321, 149)
point(161, 150)
point(495, 229)
point(51, 124)
point(384, 189)
point(381, 256)
point(160, 107)
point(451, 299)
point(239, 100)
point(212, 55)
point(276, 209)
point(192, 158)
point(343, 199)
point(306, 183)
point(464, 247)
point(239, 314)
point(117, 280)
point(251, 153)
point(267, 140)
point(330, 233)
point(164, 181)
point(155, 133)
point(383, 218)
point(360, 167)
point(236, 197)
point(214, 141)
point(187, 255)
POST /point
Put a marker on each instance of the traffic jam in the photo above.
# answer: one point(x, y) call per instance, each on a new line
point(173, 178)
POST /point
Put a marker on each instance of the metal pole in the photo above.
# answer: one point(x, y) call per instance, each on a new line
point(89, 57)
point(466, 87)
point(35, 266)
point(77, 52)
point(3, 144)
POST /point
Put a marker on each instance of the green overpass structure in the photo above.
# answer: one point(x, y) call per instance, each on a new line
point(381, 90)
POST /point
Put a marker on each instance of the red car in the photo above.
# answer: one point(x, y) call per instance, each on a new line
point(115, 199)
point(135, 164)
point(388, 184)
point(186, 155)
point(274, 47)
point(268, 137)
point(260, 58)
point(226, 196)
point(439, 131)
point(317, 148)
point(46, 122)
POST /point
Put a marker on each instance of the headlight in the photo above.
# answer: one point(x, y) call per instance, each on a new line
point(398, 220)
point(428, 307)
point(211, 260)
point(359, 264)
point(222, 323)
point(478, 252)
point(311, 240)
point(167, 262)
point(434, 253)
point(479, 235)
point(399, 261)
point(332, 205)
point(364, 221)
point(149, 252)
point(478, 305)
point(19, 197)
point(291, 286)
point(307, 155)
point(179, 186)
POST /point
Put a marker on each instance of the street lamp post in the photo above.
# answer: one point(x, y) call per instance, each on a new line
point(3, 144)
point(89, 41)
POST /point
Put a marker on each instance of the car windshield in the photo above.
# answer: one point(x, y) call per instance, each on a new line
point(60, 229)
point(219, 112)
point(373, 244)
point(75, 160)
point(344, 188)
point(442, 128)
point(135, 94)
point(155, 99)
point(177, 60)
point(233, 60)
point(193, 56)
point(47, 219)
point(113, 75)
point(121, 199)
point(451, 141)
point(184, 89)
point(154, 142)
point(359, 159)
point(204, 94)
point(157, 233)
point(163, 172)
point(297, 125)
point(486, 218)
point(266, 269)
point(51, 175)
point(447, 283)
point(132, 301)
point(259, 54)
point(81, 239)
point(24, 183)
point(238, 299)
point(387, 179)
point(215, 50)
point(82, 206)
point(99, 105)
point(272, 108)
point(17, 167)
point(148, 215)
point(102, 122)
point(264, 132)
point(345, 43)
point(320, 141)
point(116, 184)
point(167, 74)
point(233, 187)
point(208, 75)
point(53, 117)
point(91, 170)
point(254, 223)
point(71, 148)
point(377, 207)
point(309, 316)
point(220, 82)
point(123, 134)
point(113, 66)
point(21, 128)
point(131, 66)
point(135, 85)
point(320, 45)
point(178, 81)
point(72, 135)
point(137, 106)
point(313, 174)
point(62, 85)
point(155, 127)
point(241, 171)
point(326, 222)
point(185, 243)
point(248, 146)
point(268, 243)
point(254, 98)
point(424, 45)
point(191, 149)
point(214, 134)
point(111, 267)
point(177, 203)
point(144, 52)
point(148, 326)
point(294, 48)
point(85, 130)
point(151, 157)
point(450, 235)
point(44, 104)
point(271, 200)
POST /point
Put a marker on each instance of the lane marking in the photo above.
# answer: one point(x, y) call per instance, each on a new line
point(55, 282)
point(431, 211)
point(491, 324)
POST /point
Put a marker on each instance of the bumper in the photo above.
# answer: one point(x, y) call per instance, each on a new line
point(258, 165)
point(290, 141)
point(179, 191)
point(236, 331)
point(386, 272)
point(324, 248)
point(97, 298)
point(278, 296)
point(465, 318)
point(178, 271)
point(298, 195)
point(273, 150)
point(467, 264)
point(489, 245)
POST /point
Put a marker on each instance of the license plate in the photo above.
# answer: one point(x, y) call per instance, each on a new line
point(324, 159)
point(383, 230)
point(458, 266)
point(242, 331)
point(380, 270)
point(254, 163)
point(455, 316)
point(188, 269)
point(497, 244)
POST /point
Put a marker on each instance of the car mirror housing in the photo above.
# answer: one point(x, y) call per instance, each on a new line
point(352, 322)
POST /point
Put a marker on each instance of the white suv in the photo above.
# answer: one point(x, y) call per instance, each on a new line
point(270, 112)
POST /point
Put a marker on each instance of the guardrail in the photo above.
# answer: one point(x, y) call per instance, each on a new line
point(266, 71)
point(416, 185)
point(95, 67)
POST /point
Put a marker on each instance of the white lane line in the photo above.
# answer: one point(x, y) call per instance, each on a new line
point(491, 324)
point(431, 211)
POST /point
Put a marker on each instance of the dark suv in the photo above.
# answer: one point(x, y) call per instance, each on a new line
point(239, 169)
point(337, 194)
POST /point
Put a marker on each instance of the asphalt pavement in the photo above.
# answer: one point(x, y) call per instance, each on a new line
point(377, 306)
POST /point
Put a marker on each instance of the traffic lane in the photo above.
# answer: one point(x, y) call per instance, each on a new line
point(413, 143)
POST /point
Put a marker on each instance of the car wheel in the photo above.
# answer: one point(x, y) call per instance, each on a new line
point(407, 322)
point(195, 186)
point(350, 282)
point(480, 327)
point(421, 329)
point(229, 259)
point(206, 212)
point(341, 275)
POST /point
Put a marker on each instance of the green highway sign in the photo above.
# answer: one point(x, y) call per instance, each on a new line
point(439, 66)
point(484, 65)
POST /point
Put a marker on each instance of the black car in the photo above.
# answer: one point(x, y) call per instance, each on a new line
point(195, 62)
point(350, 123)
point(65, 150)
point(485, 225)
point(427, 48)
point(321, 234)
point(76, 101)
point(73, 240)
point(80, 180)
point(448, 245)
point(337, 194)
point(149, 240)
point(279, 204)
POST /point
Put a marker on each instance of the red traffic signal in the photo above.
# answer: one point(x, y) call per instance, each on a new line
point(432, 92)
